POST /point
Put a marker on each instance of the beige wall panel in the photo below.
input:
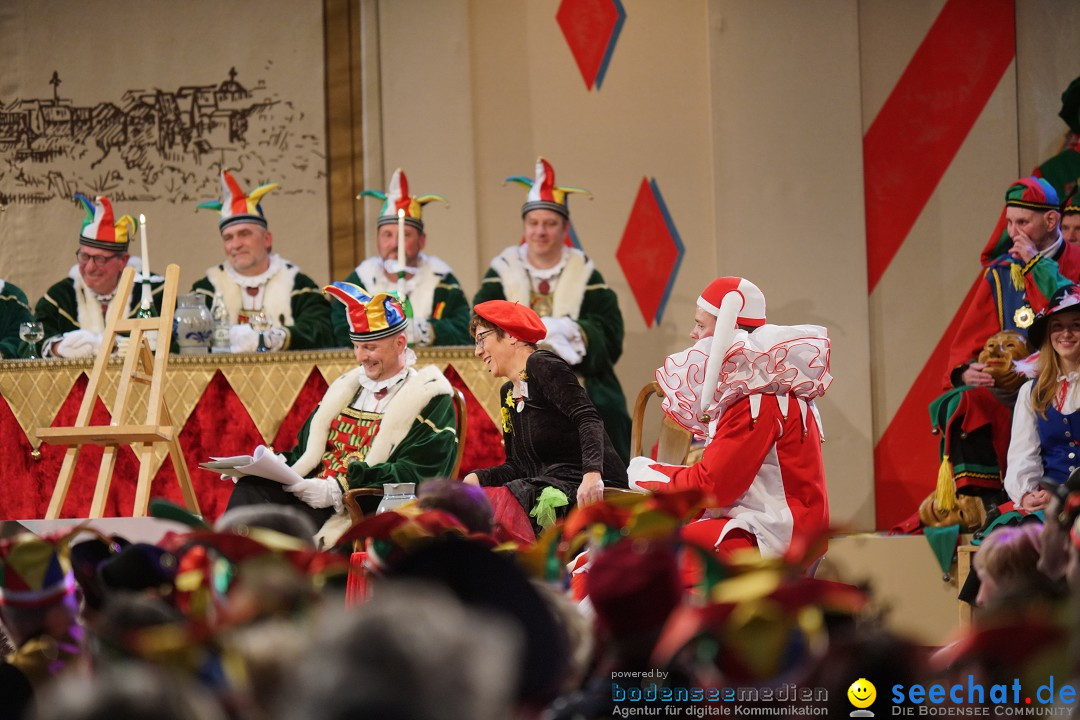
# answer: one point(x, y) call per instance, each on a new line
point(890, 32)
point(930, 274)
point(427, 120)
point(1047, 36)
point(789, 199)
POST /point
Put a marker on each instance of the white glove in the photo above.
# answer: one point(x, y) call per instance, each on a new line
point(275, 338)
point(318, 492)
point(418, 332)
point(564, 338)
point(78, 344)
point(243, 339)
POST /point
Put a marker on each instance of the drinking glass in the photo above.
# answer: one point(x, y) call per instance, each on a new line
point(260, 322)
point(31, 333)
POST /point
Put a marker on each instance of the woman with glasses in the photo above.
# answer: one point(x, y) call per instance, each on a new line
point(553, 435)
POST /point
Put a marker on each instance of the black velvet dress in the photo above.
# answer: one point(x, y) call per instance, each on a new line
point(554, 438)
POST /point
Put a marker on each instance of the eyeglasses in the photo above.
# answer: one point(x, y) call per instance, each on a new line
point(96, 260)
point(481, 337)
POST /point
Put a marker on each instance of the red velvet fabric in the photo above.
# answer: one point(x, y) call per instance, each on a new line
point(219, 425)
point(483, 446)
point(306, 401)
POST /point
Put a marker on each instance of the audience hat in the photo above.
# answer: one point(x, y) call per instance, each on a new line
point(370, 316)
point(397, 198)
point(519, 321)
point(543, 193)
point(235, 205)
point(35, 571)
point(1032, 193)
point(100, 228)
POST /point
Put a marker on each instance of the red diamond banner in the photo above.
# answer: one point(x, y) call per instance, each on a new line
point(650, 252)
point(591, 29)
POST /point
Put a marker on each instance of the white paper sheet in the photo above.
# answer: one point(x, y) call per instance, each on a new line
point(262, 463)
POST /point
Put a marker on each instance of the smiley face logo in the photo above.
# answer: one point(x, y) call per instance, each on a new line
point(862, 693)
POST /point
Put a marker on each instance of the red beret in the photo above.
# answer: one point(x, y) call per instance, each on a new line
point(516, 319)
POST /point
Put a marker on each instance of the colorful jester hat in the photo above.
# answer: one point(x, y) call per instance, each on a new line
point(237, 206)
point(543, 193)
point(100, 229)
point(370, 316)
point(397, 198)
point(35, 571)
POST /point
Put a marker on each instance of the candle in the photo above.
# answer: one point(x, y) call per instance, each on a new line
point(142, 236)
point(401, 242)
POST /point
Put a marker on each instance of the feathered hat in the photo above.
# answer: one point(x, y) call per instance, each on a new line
point(397, 198)
point(370, 316)
point(543, 193)
point(100, 229)
point(235, 205)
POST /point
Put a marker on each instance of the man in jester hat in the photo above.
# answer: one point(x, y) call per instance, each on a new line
point(747, 388)
point(73, 311)
point(440, 309)
point(559, 282)
point(383, 422)
point(255, 279)
point(1018, 282)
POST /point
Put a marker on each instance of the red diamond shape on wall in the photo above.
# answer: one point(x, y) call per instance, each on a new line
point(591, 28)
point(650, 252)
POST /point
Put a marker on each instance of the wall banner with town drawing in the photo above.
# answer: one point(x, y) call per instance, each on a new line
point(144, 102)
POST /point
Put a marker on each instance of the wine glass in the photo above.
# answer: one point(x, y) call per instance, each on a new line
point(260, 322)
point(31, 333)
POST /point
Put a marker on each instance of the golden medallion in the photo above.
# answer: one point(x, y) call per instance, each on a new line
point(1023, 317)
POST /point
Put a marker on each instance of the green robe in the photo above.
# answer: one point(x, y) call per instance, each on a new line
point(601, 323)
point(293, 300)
point(446, 307)
point(14, 310)
point(417, 438)
point(58, 309)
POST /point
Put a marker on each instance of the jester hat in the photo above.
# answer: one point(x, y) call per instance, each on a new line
point(397, 198)
point(1032, 193)
point(734, 301)
point(236, 206)
point(35, 571)
point(100, 229)
point(1071, 206)
point(370, 316)
point(543, 193)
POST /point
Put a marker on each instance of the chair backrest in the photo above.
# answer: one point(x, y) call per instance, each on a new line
point(462, 428)
point(673, 443)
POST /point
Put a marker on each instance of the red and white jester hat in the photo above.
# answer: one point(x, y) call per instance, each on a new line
point(734, 301)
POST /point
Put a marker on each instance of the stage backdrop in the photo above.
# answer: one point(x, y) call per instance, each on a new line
point(144, 102)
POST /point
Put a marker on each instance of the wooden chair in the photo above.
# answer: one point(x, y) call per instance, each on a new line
point(673, 445)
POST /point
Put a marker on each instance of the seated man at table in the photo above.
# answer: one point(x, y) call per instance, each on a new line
point(72, 312)
point(440, 310)
point(254, 279)
point(383, 422)
point(14, 311)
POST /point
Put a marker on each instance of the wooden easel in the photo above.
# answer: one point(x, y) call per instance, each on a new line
point(157, 426)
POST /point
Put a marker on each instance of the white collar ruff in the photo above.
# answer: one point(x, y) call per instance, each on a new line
point(277, 264)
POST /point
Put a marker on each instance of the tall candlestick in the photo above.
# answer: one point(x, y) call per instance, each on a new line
point(401, 242)
point(142, 237)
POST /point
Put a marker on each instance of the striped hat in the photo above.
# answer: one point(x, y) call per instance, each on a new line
point(100, 229)
point(237, 206)
point(35, 571)
point(397, 198)
point(543, 193)
point(1032, 193)
point(370, 316)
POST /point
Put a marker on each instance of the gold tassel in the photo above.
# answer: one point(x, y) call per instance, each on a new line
point(1016, 274)
point(945, 495)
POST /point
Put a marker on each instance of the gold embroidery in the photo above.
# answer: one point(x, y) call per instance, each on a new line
point(1024, 317)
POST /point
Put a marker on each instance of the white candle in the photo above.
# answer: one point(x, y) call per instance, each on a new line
point(142, 237)
point(401, 242)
